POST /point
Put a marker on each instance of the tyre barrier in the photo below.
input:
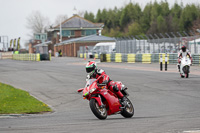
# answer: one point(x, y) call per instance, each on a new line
point(118, 57)
point(131, 58)
point(81, 55)
point(146, 58)
point(143, 58)
point(155, 58)
point(96, 56)
point(103, 57)
point(6, 55)
point(108, 58)
point(26, 57)
point(138, 58)
point(44, 57)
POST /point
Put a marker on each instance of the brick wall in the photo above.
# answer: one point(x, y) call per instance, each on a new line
point(71, 49)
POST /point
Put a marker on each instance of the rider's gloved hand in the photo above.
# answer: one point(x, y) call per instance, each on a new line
point(88, 77)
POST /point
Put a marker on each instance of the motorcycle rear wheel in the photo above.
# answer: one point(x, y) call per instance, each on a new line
point(128, 111)
point(99, 112)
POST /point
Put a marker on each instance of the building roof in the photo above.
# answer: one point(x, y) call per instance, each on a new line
point(43, 44)
point(91, 38)
point(79, 22)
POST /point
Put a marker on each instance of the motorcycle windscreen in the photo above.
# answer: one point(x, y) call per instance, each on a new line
point(89, 85)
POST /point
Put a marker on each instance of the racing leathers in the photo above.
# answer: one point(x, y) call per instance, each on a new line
point(182, 54)
point(111, 85)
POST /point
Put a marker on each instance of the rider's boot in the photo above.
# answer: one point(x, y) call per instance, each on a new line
point(120, 95)
point(178, 67)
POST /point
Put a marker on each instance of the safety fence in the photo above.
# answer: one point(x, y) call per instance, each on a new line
point(6, 55)
point(158, 43)
point(143, 58)
point(26, 57)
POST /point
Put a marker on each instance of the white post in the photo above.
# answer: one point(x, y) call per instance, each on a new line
point(60, 31)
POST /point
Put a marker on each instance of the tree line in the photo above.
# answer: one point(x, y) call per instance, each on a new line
point(156, 17)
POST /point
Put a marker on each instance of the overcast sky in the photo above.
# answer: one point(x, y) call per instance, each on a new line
point(13, 13)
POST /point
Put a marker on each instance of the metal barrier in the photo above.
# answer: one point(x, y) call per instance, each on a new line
point(158, 43)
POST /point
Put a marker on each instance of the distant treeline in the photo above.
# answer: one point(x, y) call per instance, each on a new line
point(154, 18)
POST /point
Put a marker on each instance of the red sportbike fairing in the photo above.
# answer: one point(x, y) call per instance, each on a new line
point(104, 102)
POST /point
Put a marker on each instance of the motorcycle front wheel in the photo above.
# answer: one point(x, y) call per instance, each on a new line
point(128, 111)
point(187, 72)
point(99, 112)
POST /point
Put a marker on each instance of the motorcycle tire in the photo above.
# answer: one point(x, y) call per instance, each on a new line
point(187, 75)
point(99, 112)
point(187, 72)
point(128, 111)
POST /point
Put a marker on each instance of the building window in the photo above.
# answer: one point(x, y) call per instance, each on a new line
point(72, 33)
point(40, 36)
point(83, 33)
point(88, 32)
point(67, 33)
point(37, 37)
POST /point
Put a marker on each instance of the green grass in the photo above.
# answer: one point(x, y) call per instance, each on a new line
point(16, 101)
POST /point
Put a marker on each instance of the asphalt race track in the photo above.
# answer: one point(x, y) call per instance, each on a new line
point(164, 102)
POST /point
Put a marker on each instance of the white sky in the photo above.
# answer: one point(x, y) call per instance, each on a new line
point(13, 13)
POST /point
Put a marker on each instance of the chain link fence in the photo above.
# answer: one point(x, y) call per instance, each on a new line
point(157, 44)
point(148, 48)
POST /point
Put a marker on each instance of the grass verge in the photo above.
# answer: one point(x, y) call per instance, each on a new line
point(16, 101)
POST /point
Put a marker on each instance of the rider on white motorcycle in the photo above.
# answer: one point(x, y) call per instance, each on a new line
point(183, 53)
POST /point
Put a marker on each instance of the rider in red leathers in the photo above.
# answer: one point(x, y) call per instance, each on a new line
point(93, 72)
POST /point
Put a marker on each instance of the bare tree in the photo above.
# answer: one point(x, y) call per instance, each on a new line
point(61, 18)
point(37, 23)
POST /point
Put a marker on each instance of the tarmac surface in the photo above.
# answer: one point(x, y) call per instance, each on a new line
point(163, 102)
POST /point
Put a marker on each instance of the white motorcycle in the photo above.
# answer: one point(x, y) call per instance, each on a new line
point(185, 67)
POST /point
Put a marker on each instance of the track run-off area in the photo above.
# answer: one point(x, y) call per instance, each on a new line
point(163, 101)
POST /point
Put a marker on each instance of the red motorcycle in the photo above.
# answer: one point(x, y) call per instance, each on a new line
point(104, 102)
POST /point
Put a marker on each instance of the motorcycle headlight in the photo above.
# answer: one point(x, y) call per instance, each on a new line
point(92, 90)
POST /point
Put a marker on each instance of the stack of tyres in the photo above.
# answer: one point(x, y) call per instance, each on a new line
point(81, 55)
point(96, 56)
point(146, 58)
point(131, 58)
point(103, 57)
point(44, 56)
point(138, 57)
point(118, 57)
point(155, 58)
point(108, 57)
point(113, 57)
point(124, 57)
